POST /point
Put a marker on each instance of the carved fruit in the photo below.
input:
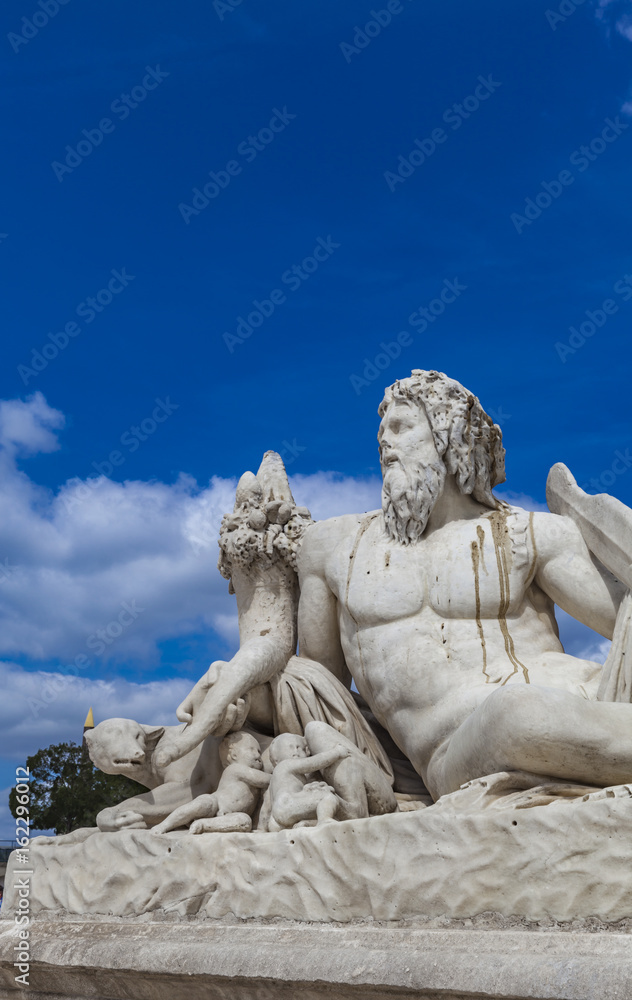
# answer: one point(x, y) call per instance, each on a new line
point(249, 490)
point(257, 520)
point(284, 513)
point(272, 510)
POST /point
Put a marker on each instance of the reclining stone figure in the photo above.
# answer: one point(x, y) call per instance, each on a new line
point(440, 606)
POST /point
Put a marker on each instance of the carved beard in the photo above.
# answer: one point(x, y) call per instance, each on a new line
point(408, 498)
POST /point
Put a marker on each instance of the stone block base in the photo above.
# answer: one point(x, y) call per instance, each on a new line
point(115, 959)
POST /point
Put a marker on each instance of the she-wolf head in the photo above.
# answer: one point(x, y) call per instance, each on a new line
point(122, 746)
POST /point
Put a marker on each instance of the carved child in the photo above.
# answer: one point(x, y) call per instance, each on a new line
point(293, 798)
point(230, 807)
point(363, 789)
point(355, 787)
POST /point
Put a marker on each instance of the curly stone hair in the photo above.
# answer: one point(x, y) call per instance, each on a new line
point(466, 438)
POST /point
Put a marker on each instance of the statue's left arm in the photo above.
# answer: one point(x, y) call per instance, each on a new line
point(572, 577)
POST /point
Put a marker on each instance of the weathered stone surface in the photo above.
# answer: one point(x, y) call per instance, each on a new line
point(569, 859)
point(158, 961)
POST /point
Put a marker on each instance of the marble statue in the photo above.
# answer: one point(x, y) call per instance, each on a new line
point(400, 696)
point(440, 606)
point(259, 542)
point(123, 746)
point(354, 787)
point(231, 806)
point(295, 798)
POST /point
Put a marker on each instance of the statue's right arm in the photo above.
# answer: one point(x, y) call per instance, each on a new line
point(253, 777)
point(318, 626)
point(267, 630)
point(324, 759)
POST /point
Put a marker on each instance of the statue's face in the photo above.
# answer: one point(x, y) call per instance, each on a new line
point(405, 437)
point(413, 474)
point(247, 752)
point(288, 746)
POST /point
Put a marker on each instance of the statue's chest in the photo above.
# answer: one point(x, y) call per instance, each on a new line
point(469, 569)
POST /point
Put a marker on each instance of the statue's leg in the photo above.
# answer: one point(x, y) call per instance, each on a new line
point(202, 806)
point(290, 808)
point(546, 731)
point(228, 823)
point(327, 808)
point(361, 786)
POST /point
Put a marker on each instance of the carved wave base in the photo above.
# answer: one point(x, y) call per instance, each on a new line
point(471, 853)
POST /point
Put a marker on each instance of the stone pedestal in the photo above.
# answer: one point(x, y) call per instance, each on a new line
point(158, 960)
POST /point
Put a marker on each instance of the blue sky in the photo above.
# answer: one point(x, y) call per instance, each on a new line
point(301, 124)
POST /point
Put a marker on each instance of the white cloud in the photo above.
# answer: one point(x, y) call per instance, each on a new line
point(581, 641)
point(328, 494)
point(43, 707)
point(617, 13)
point(520, 500)
point(27, 427)
point(71, 561)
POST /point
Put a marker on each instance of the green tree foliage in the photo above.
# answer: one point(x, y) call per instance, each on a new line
point(67, 791)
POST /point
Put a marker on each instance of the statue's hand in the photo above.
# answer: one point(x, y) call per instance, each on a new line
point(185, 712)
point(214, 717)
point(233, 718)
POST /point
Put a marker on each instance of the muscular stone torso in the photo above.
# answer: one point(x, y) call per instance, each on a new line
point(429, 630)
